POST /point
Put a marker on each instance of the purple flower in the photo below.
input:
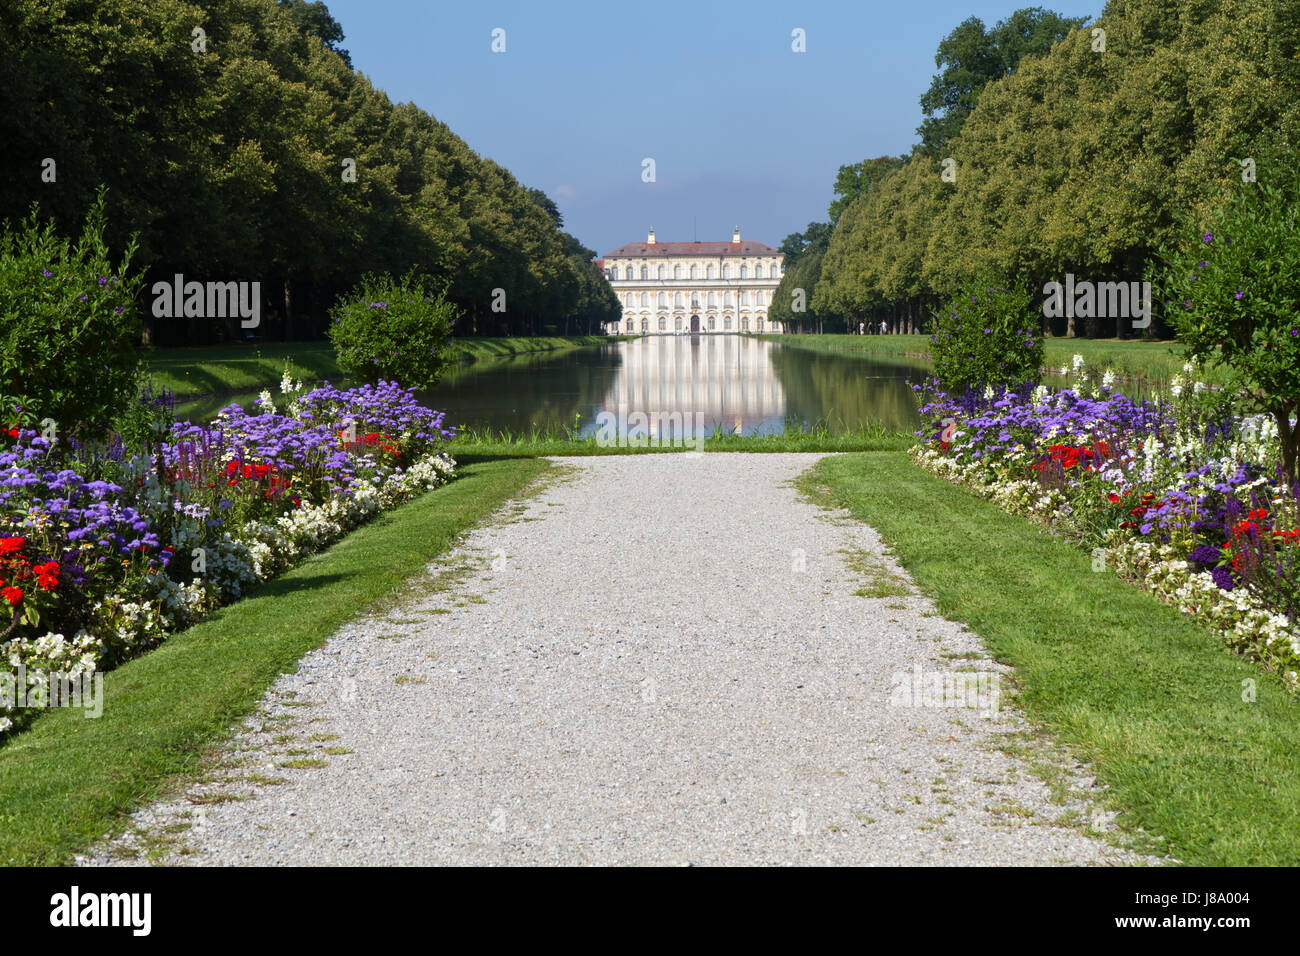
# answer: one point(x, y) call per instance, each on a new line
point(1208, 237)
point(1239, 294)
point(1223, 578)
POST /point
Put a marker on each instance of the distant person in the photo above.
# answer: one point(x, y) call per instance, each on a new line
point(862, 328)
point(883, 330)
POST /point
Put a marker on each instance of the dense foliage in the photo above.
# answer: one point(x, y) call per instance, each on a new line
point(262, 156)
point(393, 330)
point(1073, 159)
point(1234, 297)
point(68, 328)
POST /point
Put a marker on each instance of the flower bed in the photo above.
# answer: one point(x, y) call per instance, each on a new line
point(1176, 495)
point(103, 552)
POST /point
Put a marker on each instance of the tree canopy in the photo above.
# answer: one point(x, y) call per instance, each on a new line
point(1084, 158)
point(252, 151)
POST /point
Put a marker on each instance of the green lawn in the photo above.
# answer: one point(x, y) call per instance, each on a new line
point(1151, 361)
point(230, 368)
point(1153, 701)
point(68, 781)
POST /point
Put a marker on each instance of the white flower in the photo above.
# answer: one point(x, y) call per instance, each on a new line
point(988, 392)
point(1078, 361)
point(1108, 379)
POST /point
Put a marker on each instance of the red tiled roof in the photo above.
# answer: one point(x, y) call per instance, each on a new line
point(639, 249)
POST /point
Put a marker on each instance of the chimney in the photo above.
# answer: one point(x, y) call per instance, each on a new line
point(735, 234)
point(651, 241)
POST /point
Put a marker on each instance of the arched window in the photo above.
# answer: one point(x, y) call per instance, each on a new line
point(629, 325)
point(726, 298)
point(758, 298)
point(695, 300)
point(645, 272)
point(645, 324)
point(726, 323)
point(758, 272)
point(760, 323)
point(710, 270)
point(677, 272)
point(627, 273)
point(663, 323)
point(712, 321)
point(744, 298)
point(661, 272)
point(744, 323)
point(663, 300)
point(645, 299)
point(677, 323)
point(713, 298)
point(726, 271)
point(744, 272)
point(695, 272)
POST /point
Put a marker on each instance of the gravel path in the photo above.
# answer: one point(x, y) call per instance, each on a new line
point(659, 659)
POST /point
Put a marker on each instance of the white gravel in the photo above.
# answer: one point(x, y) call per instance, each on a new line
point(669, 665)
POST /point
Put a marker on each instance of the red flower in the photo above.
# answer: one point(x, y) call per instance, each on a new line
point(10, 545)
point(12, 595)
point(1112, 497)
point(47, 575)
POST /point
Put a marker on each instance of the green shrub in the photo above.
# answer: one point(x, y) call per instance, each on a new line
point(393, 330)
point(68, 326)
point(987, 336)
point(1232, 293)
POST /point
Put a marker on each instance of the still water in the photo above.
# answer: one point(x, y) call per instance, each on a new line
point(734, 382)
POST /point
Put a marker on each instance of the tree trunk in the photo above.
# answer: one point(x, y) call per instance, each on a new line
point(286, 331)
point(1289, 438)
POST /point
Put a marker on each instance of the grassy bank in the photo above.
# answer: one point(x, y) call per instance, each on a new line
point(1154, 702)
point(233, 368)
point(566, 441)
point(68, 781)
point(1150, 362)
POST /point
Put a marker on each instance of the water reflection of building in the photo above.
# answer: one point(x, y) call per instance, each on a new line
point(669, 287)
point(726, 381)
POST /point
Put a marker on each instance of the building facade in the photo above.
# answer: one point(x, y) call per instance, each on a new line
point(693, 287)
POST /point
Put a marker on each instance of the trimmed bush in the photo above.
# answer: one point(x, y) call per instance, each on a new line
point(68, 327)
point(987, 336)
point(393, 330)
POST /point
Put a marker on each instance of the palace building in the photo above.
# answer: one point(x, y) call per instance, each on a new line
point(688, 287)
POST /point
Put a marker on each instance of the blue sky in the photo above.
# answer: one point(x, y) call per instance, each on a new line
point(743, 131)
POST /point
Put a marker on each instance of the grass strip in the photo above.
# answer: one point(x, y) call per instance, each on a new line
point(563, 441)
point(1152, 700)
point(69, 781)
point(1151, 362)
point(213, 370)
